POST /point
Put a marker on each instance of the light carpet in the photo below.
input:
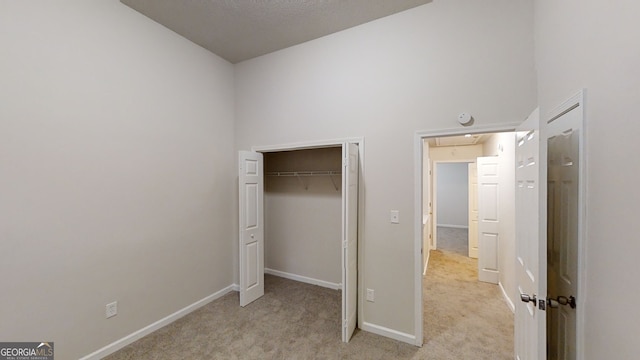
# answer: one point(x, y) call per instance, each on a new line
point(463, 319)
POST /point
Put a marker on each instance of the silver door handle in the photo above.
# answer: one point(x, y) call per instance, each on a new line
point(526, 298)
point(562, 300)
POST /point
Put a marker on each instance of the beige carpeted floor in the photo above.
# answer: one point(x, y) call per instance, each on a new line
point(464, 319)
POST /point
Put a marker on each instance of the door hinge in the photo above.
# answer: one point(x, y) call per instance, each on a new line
point(344, 244)
point(344, 323)
point(345, 162)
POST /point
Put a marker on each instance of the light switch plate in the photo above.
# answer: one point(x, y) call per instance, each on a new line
point(395, 217)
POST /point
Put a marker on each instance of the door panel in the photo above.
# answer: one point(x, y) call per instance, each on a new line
point(529, 323)
point(473, 210)
point(251, 232)
point(562, 232)
point(488, 219)
point(350, 240)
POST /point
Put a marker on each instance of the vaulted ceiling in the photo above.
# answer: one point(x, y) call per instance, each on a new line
point(238, 30)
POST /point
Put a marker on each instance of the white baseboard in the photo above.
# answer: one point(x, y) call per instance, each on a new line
point(393, 334)
point(426, 263)
point(454, 226)
point(119, 344)
point(510, 303)
point(303, 279)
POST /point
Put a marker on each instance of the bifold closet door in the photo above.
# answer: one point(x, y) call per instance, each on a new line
point(350, 240)
point(251, 232)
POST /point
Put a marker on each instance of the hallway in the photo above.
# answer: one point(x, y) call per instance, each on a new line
point(464, 318)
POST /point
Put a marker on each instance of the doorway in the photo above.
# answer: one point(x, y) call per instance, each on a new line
point(345, 180)
point(424, 223)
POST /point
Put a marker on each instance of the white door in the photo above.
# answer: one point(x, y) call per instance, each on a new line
point(473, 210)
point(488, 219)
point(530, 277)
point(350, 240)
point(251, 193)
point(426, 205)
point(563, 175)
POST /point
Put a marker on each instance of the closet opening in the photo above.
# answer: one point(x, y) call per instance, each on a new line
point(299, 221)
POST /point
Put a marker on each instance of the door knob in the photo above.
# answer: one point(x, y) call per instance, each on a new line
point(562, 300)
point(526, 298)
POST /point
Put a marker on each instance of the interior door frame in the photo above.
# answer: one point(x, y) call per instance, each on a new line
point(434, 200)
point(419, 136)
point(361, 151)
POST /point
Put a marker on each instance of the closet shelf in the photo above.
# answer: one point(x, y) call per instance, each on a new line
point(301, 174)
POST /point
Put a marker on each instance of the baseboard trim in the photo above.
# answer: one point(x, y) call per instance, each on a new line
point(510, 303)
point(119, 344)
point(454, 226)
point(426, 263)
point(390, 333)
point(303, 279)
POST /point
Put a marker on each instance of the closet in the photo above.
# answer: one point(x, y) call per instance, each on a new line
point(298, 219)
point(303, 215)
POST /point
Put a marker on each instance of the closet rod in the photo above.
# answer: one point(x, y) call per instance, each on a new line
point(303, 173)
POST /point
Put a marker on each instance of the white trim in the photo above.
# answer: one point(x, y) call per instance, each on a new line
point(119, 344)
point(454, 226)
point(418, 152)
point(493, 128)
point(510, 303)
point(304, 279)
point(308, 145)
point(426, 263)
point(390, 333)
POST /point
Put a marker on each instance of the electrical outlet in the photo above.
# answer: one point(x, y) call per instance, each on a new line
point(371, 295)
point(395, 216)
point(112, 309)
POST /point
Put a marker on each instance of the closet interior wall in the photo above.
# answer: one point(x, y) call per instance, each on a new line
point(303, 213)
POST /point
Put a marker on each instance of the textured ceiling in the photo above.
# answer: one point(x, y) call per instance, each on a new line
point(238, 30)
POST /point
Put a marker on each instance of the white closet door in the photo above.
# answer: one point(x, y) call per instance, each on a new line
point(251, 193)
point(350, 240)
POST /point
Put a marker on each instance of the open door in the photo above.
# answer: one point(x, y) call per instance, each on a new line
point(530, 244)
point(350, 239)
point(564, 162)
point(488, 219)
point(251, 194)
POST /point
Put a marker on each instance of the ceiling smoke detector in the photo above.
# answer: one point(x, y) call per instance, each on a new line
point(465, 119)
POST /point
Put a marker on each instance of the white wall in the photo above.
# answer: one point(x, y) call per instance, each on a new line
point(452, 194)
point(385, 80)
point(303, 227)
point(506, 209)
point(116, 171)
point(596, 45)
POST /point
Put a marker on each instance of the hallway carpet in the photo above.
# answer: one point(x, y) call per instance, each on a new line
point(464, 319)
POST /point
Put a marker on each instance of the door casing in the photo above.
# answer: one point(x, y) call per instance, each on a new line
point(335, 143)
point(419, 136)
